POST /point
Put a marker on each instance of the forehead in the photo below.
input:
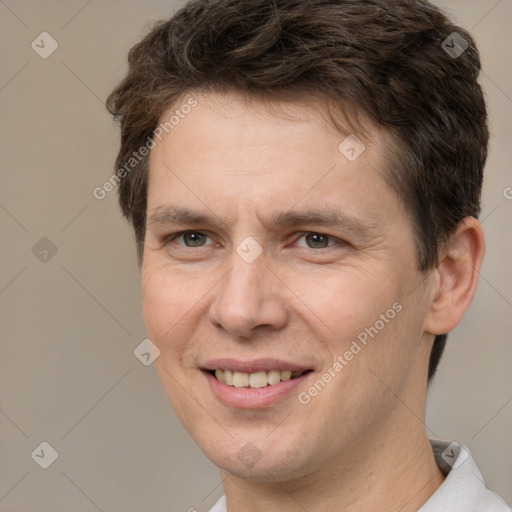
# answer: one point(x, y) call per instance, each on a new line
point(245, 125)
point(228, 151)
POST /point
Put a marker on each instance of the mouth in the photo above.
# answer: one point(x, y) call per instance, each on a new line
point(255, 384)
point(255, 380)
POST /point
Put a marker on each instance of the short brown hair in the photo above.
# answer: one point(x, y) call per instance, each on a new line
point(402, 63)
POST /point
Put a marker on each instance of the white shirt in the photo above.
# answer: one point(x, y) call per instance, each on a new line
point(463, 489)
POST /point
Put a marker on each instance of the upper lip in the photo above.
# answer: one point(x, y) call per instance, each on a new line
point(254, 365)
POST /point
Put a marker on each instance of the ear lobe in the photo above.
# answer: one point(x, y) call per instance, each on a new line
point(457, 277)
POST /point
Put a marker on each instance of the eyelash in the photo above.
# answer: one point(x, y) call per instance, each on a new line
point(174, 236)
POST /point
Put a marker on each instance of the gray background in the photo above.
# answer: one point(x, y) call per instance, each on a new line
point(68, 375)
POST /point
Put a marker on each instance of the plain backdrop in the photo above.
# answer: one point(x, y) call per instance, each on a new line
point(69, 284)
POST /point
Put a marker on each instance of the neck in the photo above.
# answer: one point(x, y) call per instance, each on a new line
point(396, 471)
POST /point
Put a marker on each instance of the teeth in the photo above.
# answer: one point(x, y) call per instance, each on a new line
point(220, 375)
point(258, 380)
point(228, 377)
point(240, 380)
point(286, 375)
point(254, 380)
point(274, 377)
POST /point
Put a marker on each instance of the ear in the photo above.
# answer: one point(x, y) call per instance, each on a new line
point(456, 277)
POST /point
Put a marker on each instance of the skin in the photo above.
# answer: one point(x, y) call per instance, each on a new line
point(361, 443)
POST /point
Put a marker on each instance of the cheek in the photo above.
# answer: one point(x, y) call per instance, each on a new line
point(164, 304)
point(154, 318)
point(154, 299)
point(172, 305)
point(373, 324)
point(349, 300)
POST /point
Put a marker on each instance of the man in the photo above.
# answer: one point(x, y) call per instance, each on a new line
point(304, 182)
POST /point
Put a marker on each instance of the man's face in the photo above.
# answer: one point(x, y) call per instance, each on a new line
point(243, 293)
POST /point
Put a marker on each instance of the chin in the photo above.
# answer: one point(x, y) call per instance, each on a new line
point(270, 464)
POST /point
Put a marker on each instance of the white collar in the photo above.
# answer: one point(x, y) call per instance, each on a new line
point(463, 489)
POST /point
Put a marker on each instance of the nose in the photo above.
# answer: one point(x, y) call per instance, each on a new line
point(250, 299)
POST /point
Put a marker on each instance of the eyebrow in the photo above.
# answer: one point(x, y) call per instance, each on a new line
point(171, 215)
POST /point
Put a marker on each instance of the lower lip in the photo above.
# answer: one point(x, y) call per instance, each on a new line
point(253, 398)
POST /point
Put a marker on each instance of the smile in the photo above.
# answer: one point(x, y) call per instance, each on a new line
point(255, 384)
point(254, 380)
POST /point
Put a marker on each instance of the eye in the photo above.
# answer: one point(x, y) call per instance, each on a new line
point(313, 240)
point(318, 240)
point(196, 238)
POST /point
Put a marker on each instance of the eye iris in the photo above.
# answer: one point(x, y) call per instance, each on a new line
point(198, 238)
point(317, 238)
